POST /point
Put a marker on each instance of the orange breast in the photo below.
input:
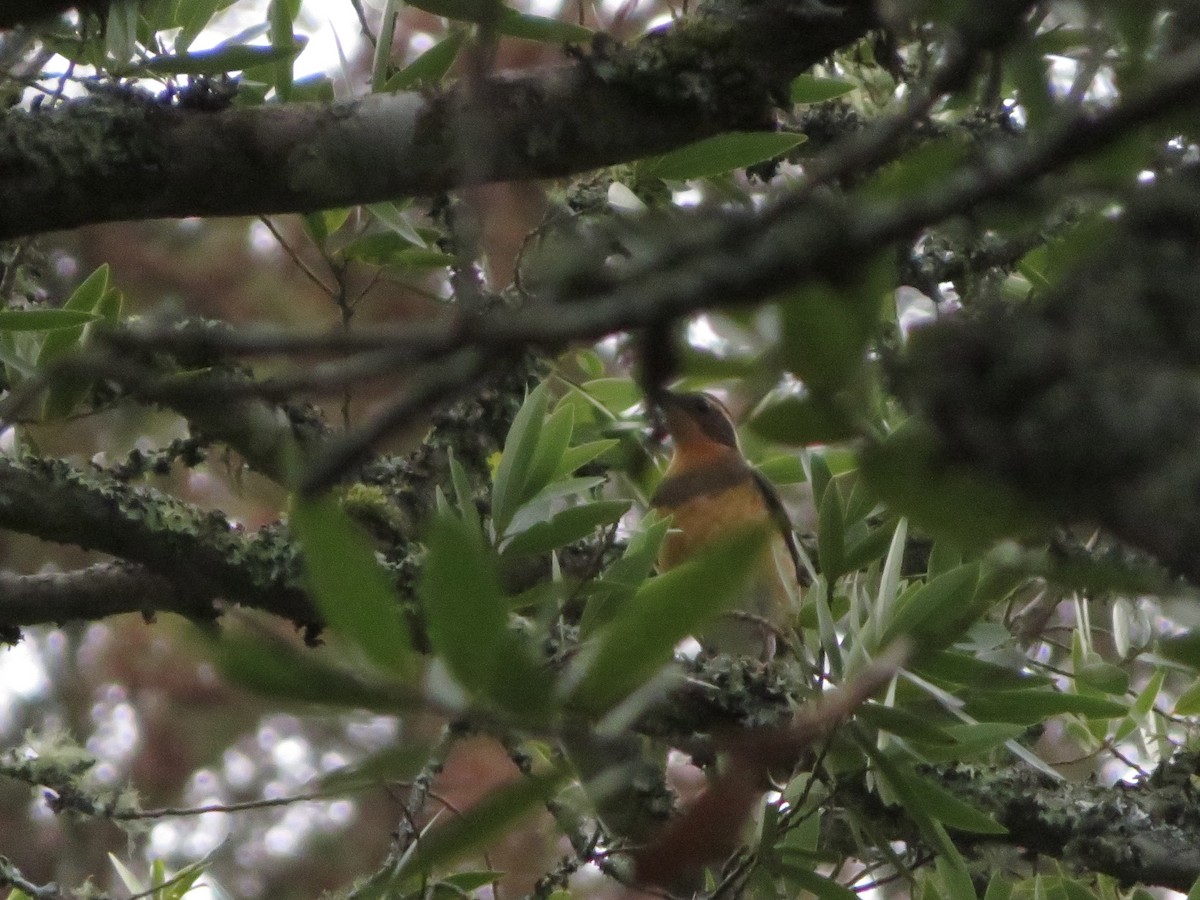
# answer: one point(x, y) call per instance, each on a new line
point(706, 518)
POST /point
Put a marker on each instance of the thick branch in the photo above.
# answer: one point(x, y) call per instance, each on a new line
point(94, 593)
point(202, 554)
point(1146, 832)
point(121, 155)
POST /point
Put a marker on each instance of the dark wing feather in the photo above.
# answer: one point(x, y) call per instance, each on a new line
point(780, 516)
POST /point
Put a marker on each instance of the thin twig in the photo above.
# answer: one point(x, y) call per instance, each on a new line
point(295, 257)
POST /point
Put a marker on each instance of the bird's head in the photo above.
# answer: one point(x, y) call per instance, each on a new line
point(696, 421)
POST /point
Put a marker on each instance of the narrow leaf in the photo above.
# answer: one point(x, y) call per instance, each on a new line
point(352, 590)
point(44, 319)
point(720, 154)
point(487, 821)
point(567, 527)
point(642, 638)
point(508, 490)
point(431, 66)
point(811, 89)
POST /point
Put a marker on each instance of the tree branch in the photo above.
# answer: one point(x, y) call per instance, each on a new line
point(90, 594)
point(1146, 832)
point(126, 155)
point(202, 554)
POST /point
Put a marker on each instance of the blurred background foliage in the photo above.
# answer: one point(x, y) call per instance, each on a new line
point(1011, 486)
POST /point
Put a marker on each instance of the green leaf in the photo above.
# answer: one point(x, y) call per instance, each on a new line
point(272, 668)
point(120, 32)
point(390, 764)
point(904, 724)
point(431, 66)
point(1036, 705)
point(821, 477)
point(969, 671)
point(818, 885)
point(917, 171)
point(463, 495)
point(614, 394)
point(621, 581)
point(972, 741)
point(1026, 67)
point(869, 548)
point(1000, 887)
point(786, 469)
point(1184, 648)
point(578, 456)
point(1188, 703)
point(942, 558)
point(351, 589)
point(908, 788)
point(1103, 677)
point(952, 868)
point(66, 393)
point(470, 881)
point(826, 330)
point(811, 89)
point(641, 639)
point(85, 299)
point(466, 613)
point(831, 535)
point(44, 319)
point(483, 823)
point(720, 154)
point(942, 805)
point(953, 504)
point(551, 446)
point(935, 611)
point(567, 527)
point(193, 16)
point(218, 60)
point(508, 489)
point(541, 28)
point(280, 15)
point(803, 420)
point(463, 601)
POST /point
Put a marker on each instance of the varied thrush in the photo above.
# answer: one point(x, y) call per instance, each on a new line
point(709, 489)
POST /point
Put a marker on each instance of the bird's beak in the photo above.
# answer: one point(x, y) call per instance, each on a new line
point(667, 416)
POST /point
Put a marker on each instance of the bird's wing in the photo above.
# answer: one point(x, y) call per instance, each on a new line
point(780, 516)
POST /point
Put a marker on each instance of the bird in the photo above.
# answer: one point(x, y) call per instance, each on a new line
point(710, 489)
